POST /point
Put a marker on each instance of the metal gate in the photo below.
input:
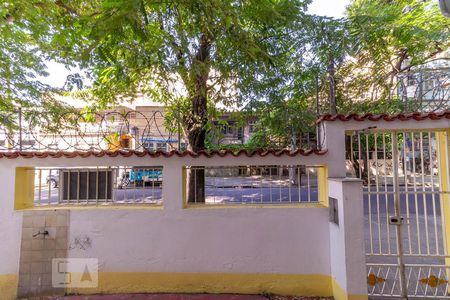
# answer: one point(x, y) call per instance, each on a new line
point(406, 211)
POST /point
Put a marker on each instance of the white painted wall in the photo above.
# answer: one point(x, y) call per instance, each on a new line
point(247, 240)
point(285, 240)
point(347, 238)
point(176, 239)
point(10, 223)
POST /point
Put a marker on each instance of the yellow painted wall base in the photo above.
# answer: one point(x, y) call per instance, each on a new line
point(307, 285)
point(340, 294)
point(215, 283)
point(8, 286)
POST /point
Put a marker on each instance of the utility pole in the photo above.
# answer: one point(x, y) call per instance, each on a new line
point(179, 128)
point(292, 171)
point(20, 128)
point(445, 7)
point(332, 82)
point(317, 114)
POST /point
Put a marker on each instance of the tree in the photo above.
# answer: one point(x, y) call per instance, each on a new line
point(331, 44)
point(189, 54)
point(23, 52)
point(197, 55)
point(281, 124)
point(319, 47)
point(363, 61)
point(391, 38)
point(21, 60)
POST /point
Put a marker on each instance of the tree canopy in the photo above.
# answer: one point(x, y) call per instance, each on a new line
point(189, 54)
point(267, 57)
point(201, 56)
point(391, 38)
point(21, 56)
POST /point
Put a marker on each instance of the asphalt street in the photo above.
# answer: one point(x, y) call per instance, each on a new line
point(267, 193)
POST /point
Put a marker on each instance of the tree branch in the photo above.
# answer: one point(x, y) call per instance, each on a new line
point(71, 10)
point(67, 7)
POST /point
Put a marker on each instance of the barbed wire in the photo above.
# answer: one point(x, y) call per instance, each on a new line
point(35, 130)
point(79, 131)
point(39, 130)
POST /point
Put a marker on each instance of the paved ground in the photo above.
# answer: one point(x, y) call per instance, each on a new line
point(218, 190)
point(185, 297)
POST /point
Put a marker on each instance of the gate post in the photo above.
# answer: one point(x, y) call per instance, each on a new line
point(444, 188)
point(173, 185)
point(348, 265)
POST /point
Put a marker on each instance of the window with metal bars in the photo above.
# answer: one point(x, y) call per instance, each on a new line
point(98, 185)
point(255, 184)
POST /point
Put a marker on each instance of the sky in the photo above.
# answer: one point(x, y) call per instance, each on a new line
point(330, 8)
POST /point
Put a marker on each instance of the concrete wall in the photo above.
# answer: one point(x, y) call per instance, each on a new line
point(242, 249)
point(252, 241)
point(252, 249)
point(10, 234)
point(347, 239)
point(248, 240)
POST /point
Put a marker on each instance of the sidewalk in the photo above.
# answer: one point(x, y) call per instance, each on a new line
point(257, 181)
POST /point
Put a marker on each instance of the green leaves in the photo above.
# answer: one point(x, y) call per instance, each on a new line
point(397, 35)
point(147, 47)
point(262, 54)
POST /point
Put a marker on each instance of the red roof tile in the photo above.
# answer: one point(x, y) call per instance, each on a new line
point(386, 117)
point(220, 153)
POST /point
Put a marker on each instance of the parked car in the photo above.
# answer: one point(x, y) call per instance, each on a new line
point(140, 176)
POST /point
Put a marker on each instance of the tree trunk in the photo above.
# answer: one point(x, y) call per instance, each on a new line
point(196, 175)
point(197, 120)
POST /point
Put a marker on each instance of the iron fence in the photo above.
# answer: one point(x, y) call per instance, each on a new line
point(405, 181)
point(256, 184)
point(98, 185)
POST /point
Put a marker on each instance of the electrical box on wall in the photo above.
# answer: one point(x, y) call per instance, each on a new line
point(334, 213)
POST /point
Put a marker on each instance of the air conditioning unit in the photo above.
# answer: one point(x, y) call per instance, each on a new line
point(86, 184)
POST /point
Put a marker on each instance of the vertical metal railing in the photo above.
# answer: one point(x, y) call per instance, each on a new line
point(403, 205)
point(98, 185)
point(257, 184)
point(396, 186)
